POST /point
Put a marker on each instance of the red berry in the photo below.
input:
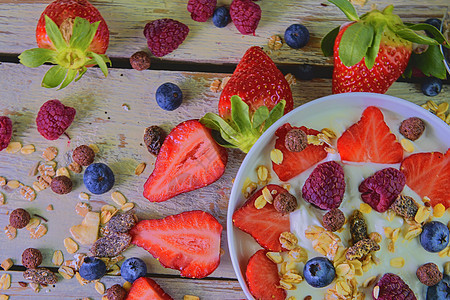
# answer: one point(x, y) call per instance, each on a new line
point(392, 287)
point(382, 188)
point(245, 15)
point(325, 186)
point(201, 10)
point(5, 132)
point(54, 118)
point(164, 35)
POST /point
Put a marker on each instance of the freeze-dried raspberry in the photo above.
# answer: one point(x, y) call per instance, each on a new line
point(54, 118)
point(201, 10)
point(392, 287)
point(429, 274)
point(164, 35)
point(412, 128)
point(382, 188)
point(5, 132)
point(325, 186)
point(245, 15)
point(333, 220)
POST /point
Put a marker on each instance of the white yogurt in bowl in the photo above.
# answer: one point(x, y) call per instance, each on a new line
point(338, 112)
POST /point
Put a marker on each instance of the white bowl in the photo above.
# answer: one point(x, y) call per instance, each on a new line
point(242, 245)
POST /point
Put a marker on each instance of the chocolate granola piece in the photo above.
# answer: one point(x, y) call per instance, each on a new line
point(361, 249)
point(31, 258)
point(83, 155)
point(333, 220)
point(61, 185)
point(296, 140)
point(285, 203)
point(429, 274)
point(40, 275)
point(140, 61)
point(412, 128)
point(121, 222)
point(111, 245)
point(116, 292)
point(405, 206)
point(154, 137)
point(358, 227)
point(19, 218)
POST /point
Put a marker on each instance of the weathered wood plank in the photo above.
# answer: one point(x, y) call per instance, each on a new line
point(176, 287)
point(205, 43)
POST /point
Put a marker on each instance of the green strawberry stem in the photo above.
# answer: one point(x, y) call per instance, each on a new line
point(362, 39)
point(71, 55)
point(243, 130)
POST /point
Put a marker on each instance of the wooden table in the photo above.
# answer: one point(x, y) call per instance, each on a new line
point(208, 53)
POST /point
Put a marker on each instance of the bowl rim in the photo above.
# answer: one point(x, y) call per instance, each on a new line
point(357, 98)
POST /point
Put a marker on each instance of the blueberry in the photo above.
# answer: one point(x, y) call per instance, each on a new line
point(440, 291)
point(431, 86)
point(433, 22)
point(169, 96)
point(133, 268)
point(319, 272)
point(221, 17)
point(92, 268)
point(305, 72)
point(296, 36)
point(98, 178)
point(434, 236)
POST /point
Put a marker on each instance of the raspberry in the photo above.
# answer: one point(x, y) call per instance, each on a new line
point(392, 287)
point(165, 35)
point(201, 10)
point(325, 186)
point(5, 132)
point(382, 188)
point(245, 15)
point(54, 118)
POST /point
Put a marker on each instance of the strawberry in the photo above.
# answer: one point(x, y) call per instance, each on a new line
point(146, 288)
point(265, 94)
point(189, 159)
point(263, 279)
point(266, 224)
point(188, 242)
point(373, 50)
point(73, 35)
point(370, 140)
point(295, 163)
point(428, 174)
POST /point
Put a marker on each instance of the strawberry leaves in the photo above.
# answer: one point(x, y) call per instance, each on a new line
point(243, 130)
point(69, 54)
point(355, 42)
point(347, 8)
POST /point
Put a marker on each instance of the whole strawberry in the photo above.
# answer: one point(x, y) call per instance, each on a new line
point(54, 118)
point(73, 35)
point(165, 35)
point(5, 132)
point(201, 10)
point(373, 50)
point(245, 15)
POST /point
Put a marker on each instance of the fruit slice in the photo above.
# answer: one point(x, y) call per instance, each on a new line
point(262, 278)
point(146, 288)
point(188, 242)
point(370, 140)
point(295, 163)
point(428, 174)
point(189, 159)
point(266, 224)
point(86, 233)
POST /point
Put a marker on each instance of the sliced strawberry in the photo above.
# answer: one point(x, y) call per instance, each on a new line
point(295, 163)
point(370, 140)
point(189, 159)
point(428, 174)
point(262, 278)
point(188, 242)
point(146, 288)
point(266, 224)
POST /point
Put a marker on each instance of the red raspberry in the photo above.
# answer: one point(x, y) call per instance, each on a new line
point(325, 186)
point(392, 287)
point(5, 132)
point(201, 10)
point(54, 118)
point(382, 188)
point(245, 15)
point(164, 35)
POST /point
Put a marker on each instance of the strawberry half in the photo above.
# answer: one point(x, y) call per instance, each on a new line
point(146, 288)
point(189, 159)
point(370, 140)
point(428, 174)
point(263, 279)
point(258, 82)
point(374, 50)
point(266, 224)
point(295, 163)
point(73, 35)
point(188, 242)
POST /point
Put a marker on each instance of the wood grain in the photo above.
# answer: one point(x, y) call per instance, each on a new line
point(205, 43)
